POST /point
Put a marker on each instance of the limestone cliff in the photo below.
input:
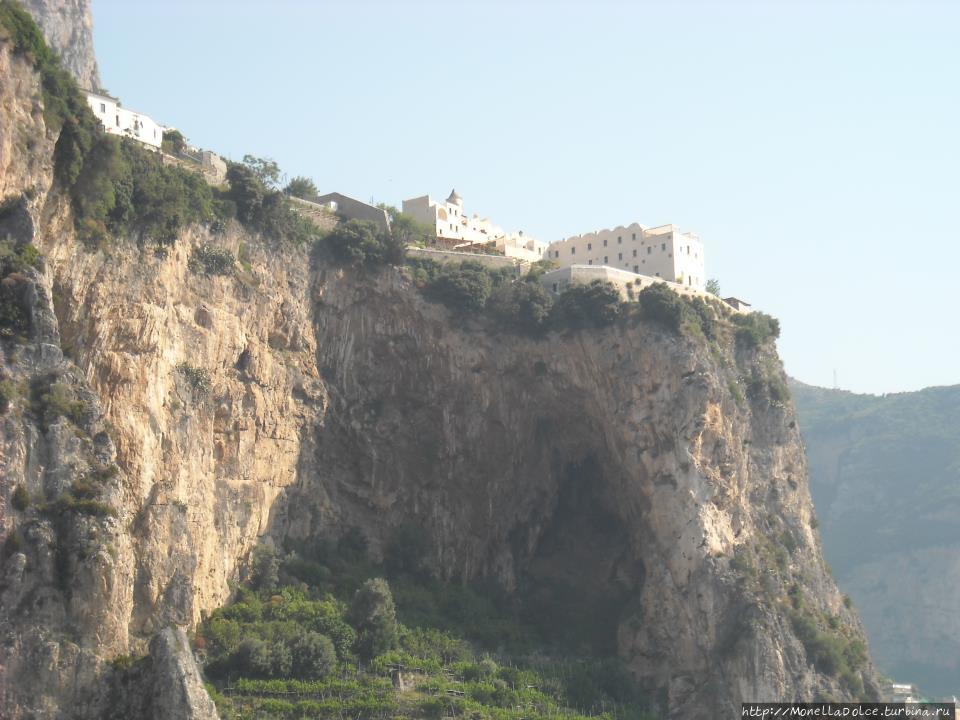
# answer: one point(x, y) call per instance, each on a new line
point(627, 459)
point(68, 28)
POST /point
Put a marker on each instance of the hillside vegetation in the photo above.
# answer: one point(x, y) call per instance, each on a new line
point(322, 633)
point(885, 478)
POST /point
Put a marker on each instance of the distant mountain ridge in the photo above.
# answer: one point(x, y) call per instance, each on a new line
point(885, 478)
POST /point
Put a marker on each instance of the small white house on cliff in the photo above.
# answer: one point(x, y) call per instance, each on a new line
point(455, 229)
point(118, 120)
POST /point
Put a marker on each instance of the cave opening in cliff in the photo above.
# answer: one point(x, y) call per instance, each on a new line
point(581, 577)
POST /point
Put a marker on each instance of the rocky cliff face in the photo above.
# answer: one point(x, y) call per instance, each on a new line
point(68, 28)
point(626, 460)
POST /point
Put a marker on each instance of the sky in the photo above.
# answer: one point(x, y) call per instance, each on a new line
point(813, 146)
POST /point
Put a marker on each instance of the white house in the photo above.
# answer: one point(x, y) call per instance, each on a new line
point(455, 229)
point(659, 252)
point(118, 120)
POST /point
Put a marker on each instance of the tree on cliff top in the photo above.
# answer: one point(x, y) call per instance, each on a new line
point(301, 187)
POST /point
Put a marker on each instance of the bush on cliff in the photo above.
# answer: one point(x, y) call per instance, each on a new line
point(663, 306)
point(755, 328)
point(260, 207)
point(362, 244)
point(465, 288)
point(301, 187)
point(124, 188)
point(594, 305)
point(523, 306)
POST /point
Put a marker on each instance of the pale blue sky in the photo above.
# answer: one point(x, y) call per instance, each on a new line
point(812, 145)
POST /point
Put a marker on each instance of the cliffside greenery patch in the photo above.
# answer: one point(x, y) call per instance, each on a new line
point(323, 631)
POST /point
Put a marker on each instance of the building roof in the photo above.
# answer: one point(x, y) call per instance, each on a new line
point(454, 197)
point(735, 301)
point(102, 95)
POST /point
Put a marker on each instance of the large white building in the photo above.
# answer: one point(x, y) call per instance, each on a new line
point(659, 252)
point(455, 229)
point(118, 120)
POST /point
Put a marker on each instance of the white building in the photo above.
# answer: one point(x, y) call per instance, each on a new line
point(118, 120)
point(659, 252)
point(455, 229)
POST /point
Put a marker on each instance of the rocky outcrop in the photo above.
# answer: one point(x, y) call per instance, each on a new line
point(165, 684)
point(165, 421)
point(26, 153)
point(68, 28)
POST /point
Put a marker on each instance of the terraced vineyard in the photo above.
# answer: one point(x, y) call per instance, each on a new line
point(333, 647)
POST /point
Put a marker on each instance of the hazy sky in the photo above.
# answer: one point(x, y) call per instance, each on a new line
point(814, 146)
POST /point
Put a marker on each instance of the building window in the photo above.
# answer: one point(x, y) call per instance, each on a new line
point(556, 253)
point(118, 121)
point(663, 246)
point(604, 259)
point(589, 246)
point(103, 107)
point(590, 262)
point(649, 249)
point(604, 242)
point(573, 251)
point(619, 256)
point(636, 268)
point(619, 240)
point(634, 252)
point(658, 274)
point(634, 237)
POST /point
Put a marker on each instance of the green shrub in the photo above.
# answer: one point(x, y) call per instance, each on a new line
point(301, 187)
point(523, 306)
point(363, 244)
point(663, 306)
point(462, 289)
point(197, 377)
point(755, 328)
point(252, 199)
point(20, 498)
point(14, 309)
point(405, 230)
point(51, 399)
point(8, 391)
point(829, 649)
point(17, 257)
point(265, 568)
point(85, 506)
point(211, 260)
point(373, 613)
point(594, 305)
point(313, 656)
point(173, 142)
